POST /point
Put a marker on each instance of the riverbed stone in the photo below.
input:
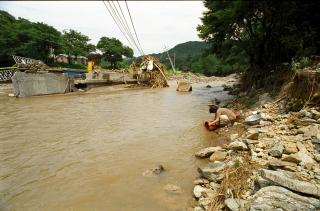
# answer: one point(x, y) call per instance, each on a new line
point(206, 152)
point(279, 163)
point(218, 156)
point(238, 145)
point(212, 171)
point(299, 157)
point(235, 204)
point(199, 191)
point(285, 179)
point(279, 198)
point(290, 147)
point(276, 150)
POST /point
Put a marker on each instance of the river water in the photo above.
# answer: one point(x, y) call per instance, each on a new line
point(88, 151)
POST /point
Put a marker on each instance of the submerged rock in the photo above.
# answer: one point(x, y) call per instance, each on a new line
point(184, 86)
point(172, 188)
point(279, 198)
point(153, 172)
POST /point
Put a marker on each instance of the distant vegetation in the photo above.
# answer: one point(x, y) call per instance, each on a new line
point(197, 57)
point(22, 37)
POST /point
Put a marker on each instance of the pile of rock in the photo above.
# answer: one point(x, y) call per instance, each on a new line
point(286, 150)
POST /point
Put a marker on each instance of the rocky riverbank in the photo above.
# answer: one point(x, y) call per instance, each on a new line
point(274, 165)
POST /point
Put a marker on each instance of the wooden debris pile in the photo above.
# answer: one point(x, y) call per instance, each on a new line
point(151, 72)
point(25, 64)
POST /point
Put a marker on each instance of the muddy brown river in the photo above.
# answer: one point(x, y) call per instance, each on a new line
point(88, 151)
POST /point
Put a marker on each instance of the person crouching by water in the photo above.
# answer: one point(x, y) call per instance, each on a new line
point(223, 117)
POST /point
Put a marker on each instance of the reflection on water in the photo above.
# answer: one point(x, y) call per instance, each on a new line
point(88, 152)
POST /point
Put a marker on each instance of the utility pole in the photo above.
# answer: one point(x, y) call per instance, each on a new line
point(174, 60)
point(173, 67)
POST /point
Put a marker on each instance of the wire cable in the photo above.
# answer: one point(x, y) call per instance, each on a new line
point(122, 20)
point(124, 34)
point(132, 22)
point(126, 24)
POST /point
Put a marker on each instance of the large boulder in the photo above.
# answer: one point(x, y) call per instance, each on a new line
point(184, 86)
point(285, 179)
point(279, 198)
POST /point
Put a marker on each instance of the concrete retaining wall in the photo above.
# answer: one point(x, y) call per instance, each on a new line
point(29, 84)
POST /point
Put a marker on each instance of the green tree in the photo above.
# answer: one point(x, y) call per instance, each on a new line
point(24, 38)
point(113, 50)
point(270, 32)
point(91, 48)
point(75, 43)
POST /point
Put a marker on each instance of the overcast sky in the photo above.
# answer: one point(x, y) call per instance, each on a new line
point(158, 23)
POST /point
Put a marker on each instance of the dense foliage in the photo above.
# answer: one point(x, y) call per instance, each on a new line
point(74, 43)
point(25, 38)
point(269, 32)
point(113, 50)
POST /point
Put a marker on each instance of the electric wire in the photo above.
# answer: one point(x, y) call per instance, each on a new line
point(124, 34)
point(122, 20)
point(126, 24)
point(132, 23)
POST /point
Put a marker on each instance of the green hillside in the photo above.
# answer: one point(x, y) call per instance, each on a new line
point(184, 53)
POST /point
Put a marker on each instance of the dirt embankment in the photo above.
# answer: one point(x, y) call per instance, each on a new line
point(273, 164)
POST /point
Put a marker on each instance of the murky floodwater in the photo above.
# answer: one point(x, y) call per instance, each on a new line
point(88, 151)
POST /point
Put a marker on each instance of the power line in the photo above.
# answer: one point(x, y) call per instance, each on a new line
point(122, 20)
point(132, 23)
point(124, 34)
point(126, 23)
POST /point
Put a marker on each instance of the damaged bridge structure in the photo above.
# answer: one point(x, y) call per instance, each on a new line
point(6, 73)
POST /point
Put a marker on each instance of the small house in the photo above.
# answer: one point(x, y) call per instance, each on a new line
point(64, 58)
